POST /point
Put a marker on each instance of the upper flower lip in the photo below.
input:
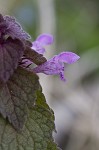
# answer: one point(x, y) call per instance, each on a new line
point(45, 39)
point(68, 57)
point(41, 41)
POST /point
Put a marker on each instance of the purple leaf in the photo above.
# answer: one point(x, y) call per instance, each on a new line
point(14, 29)
point(45, 39)
point(67, 57)
point(17, 96)
point(10, 53)
point(35, 57)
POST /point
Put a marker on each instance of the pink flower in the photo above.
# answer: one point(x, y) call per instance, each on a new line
point(41, 41)
point(55, 66)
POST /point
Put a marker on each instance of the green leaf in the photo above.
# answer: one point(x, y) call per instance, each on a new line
point(36, 133)
point(17, 96)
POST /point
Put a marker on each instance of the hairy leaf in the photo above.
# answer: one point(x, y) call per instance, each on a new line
point(10, 53)
point(36, 133)
point(32, 55)
point(17, 96)
point(14, 29)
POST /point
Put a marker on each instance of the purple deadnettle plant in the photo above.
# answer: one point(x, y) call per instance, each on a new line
point(26, 121)
point(54, 66)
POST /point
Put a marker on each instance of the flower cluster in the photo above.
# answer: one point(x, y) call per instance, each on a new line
point(16, 49)
point(54, 66)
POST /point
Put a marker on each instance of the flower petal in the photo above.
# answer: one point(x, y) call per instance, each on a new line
point(67, 57)
point(62, 76)
point(55, 66)
point(36, 46)
point(51, 67)
point(45, 39)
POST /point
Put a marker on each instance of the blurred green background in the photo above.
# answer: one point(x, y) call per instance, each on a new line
point(75, 27)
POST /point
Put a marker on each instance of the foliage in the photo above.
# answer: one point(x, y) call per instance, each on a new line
point(26, 121)
point(34, 122)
